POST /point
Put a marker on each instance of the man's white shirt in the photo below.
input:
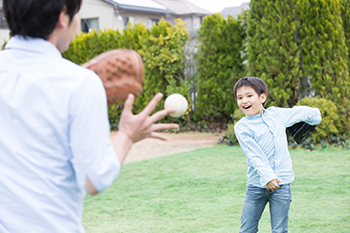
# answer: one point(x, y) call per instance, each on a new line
point(54, 132)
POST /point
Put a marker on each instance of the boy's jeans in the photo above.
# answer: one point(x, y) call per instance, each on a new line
point(254, 204)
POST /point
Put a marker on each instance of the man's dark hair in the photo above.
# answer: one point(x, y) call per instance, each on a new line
point(257, 84)
point(36, 18)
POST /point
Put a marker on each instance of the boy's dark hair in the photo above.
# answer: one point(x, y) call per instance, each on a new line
point(257, 84)
point(36, 18)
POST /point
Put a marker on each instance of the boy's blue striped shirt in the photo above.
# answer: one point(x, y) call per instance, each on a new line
point(263, 140)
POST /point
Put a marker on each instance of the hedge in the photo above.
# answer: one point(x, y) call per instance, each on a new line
point(162, 51)
point(219, 66)
point(298, 47)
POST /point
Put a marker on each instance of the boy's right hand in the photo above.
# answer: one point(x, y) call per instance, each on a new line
point(273, 185)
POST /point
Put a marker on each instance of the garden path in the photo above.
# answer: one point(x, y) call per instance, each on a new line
point(177, 143)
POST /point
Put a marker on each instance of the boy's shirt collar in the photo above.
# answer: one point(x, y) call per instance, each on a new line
point(256, 116)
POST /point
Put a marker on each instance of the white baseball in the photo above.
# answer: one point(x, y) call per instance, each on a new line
point(177, 102)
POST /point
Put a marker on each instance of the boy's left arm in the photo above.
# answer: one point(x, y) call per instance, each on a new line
point(290, 116)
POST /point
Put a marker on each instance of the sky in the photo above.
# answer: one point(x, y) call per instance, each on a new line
point(217, 5)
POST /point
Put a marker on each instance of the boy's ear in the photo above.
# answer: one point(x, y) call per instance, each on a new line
point(263, 98)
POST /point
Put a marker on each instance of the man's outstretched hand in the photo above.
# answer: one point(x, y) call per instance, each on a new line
point(143, 125)
point(133, 128)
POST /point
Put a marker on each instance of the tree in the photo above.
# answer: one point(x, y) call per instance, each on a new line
point(219, 66)
point(274, 55)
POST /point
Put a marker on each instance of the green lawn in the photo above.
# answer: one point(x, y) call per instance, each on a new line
point(203, 191)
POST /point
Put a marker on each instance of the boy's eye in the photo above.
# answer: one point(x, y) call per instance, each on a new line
point(250, 95)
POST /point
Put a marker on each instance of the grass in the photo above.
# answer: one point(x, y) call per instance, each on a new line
point(203, 191)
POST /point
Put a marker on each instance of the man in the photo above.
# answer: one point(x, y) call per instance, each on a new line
point(54, 130)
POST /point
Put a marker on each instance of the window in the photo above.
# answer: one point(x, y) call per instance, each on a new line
point(88, 25)
point(128, 19)
point(152, 21)
point(3, 22)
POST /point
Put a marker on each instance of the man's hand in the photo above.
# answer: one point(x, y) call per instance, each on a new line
point(133, 128)
point(142, 125)
point(273, 185)
point(90, 64)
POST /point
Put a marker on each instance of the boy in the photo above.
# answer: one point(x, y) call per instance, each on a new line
point(54, 137)
point(262, 137)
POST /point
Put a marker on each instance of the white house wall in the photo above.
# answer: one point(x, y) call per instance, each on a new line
point(142, 18)
point(4, 36)
point(192, 23)
point(4, 33)
point(107, 17)
point(101, 10)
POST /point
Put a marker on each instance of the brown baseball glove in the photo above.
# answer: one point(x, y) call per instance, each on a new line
point(121, 71)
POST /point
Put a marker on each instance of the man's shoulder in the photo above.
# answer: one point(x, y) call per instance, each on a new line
point(75, 73)
point(77, 70)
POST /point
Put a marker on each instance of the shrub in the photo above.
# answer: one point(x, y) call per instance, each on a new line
point(3, 45)
point(219, 66)
point(273, 52)
point(300, 47)
point(229, 136)
point(345, 15)
point(324, 51)
point(331, 124)
point(331, 131)
point(294, 39)
point(163, 55)
point(162, 51)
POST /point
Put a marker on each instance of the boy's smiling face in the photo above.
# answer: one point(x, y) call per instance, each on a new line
point(249, 101)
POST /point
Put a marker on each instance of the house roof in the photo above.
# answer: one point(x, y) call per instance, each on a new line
point(183, 7)
point(139, 5)
point(235, 11)
point(177, 7)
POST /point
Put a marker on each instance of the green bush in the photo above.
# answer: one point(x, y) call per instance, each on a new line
point(183, 89)
point(162, 51)
point(163, 56)
point(273, 52)
point(324, 51)
point(345, 15)
point(331, 124)
point(3, 45)
point(88, 45)
point(229, 135)
point(299, 47)
point(219, 66)
point(243, 22)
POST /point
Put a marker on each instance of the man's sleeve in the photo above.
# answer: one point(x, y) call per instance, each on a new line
point(290, 116)
point(92, 152)
point(254, 154)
